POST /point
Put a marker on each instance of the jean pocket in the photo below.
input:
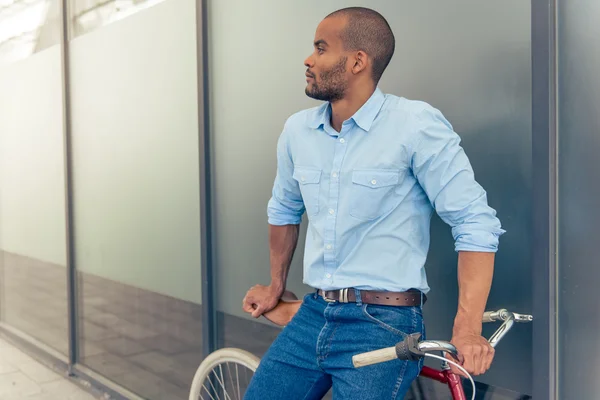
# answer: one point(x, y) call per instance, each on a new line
point(373, 192)
point(309, 181)
point(401, 321)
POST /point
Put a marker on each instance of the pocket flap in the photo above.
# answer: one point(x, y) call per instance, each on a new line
point(307, 175)
point(375, 178)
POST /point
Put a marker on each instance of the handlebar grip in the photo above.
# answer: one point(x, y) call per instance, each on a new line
point(374, 357)
point(408, 349)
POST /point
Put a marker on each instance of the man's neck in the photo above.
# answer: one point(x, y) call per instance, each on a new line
point(345, 108)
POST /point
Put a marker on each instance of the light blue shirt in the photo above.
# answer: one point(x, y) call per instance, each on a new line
point(369, 192)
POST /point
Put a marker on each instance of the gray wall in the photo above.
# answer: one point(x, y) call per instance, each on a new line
point(579, 191)
point(469, 58)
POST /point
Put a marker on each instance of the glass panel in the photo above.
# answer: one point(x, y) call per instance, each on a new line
point(470, 59)
point(579, 218)
point(33, 290)
point(136, 196)
point(88, 15)
point(27, 27)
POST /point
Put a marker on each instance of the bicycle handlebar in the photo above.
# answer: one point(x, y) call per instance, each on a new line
point(412, 348)
point(503, 315)
point(509, 319)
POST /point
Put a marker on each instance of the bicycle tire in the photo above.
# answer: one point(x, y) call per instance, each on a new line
point(218, 358)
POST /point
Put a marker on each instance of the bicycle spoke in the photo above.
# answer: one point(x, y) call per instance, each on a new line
point(237, 379)
point(222, 383)
point(230, 376)
point(213, 386)
point(207, 392)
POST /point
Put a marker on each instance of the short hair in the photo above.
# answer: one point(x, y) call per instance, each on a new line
point(367, 30)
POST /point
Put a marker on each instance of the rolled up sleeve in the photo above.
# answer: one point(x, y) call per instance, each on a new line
point(445, 173)
point(286, 205)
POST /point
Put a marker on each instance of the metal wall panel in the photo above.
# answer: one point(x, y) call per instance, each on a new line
point(579, 191)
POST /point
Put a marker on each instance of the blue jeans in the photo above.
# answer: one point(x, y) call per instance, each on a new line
point(314, 352)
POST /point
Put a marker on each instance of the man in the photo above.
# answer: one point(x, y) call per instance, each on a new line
point(369, 170)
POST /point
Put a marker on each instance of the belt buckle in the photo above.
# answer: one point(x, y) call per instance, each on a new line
point(342, 296)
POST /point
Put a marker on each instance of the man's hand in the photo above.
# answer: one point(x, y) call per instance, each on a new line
point(261, 299)
point(475, 352)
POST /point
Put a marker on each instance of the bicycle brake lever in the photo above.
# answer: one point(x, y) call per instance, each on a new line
point(523, 317)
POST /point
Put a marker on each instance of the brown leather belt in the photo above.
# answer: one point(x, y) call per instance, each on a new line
point(410, 298)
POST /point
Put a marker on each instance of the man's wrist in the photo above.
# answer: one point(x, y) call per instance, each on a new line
point(277, 288)
point(467, 325)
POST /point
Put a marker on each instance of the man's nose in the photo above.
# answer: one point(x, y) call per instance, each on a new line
point(308, 63)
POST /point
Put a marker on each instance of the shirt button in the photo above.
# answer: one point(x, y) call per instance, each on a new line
point(331, 211)
point(328, 247)
point(303, 179)
point(342, 140)
point(373, 182)
point(334, 174)
point(327, 275)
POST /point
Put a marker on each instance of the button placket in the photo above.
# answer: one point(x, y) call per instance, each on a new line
point(332, 202)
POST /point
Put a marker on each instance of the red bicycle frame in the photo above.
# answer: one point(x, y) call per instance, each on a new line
point(447, 377)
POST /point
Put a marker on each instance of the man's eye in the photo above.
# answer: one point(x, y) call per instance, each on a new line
point(319, 50)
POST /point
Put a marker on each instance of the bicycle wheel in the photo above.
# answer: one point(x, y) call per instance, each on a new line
point(224, 375)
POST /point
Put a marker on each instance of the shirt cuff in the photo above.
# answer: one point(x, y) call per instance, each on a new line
point(279, 215)
point(479, 240)
point(284, 220)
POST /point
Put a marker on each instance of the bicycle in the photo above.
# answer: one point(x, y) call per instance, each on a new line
point(210, 379)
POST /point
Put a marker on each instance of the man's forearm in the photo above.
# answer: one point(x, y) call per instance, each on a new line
point(475, 273)
point(282, 244)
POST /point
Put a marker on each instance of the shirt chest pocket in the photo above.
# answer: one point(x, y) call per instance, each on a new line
point(373, 192)
point(308, 180)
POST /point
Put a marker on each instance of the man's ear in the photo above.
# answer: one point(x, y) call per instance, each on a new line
point(360, 62)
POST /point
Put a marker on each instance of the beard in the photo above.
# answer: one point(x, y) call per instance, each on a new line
point(332, 83)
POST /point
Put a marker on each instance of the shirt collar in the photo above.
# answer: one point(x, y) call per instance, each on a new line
point(321, 116)
point(364, 117)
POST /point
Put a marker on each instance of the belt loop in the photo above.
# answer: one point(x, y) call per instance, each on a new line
point(316, 294)
point(421, 292)
point(358, 298)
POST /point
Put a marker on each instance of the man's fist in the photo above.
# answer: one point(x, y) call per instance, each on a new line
point(261, 299)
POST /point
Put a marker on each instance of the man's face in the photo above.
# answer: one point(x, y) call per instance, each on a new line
point(327, 67)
